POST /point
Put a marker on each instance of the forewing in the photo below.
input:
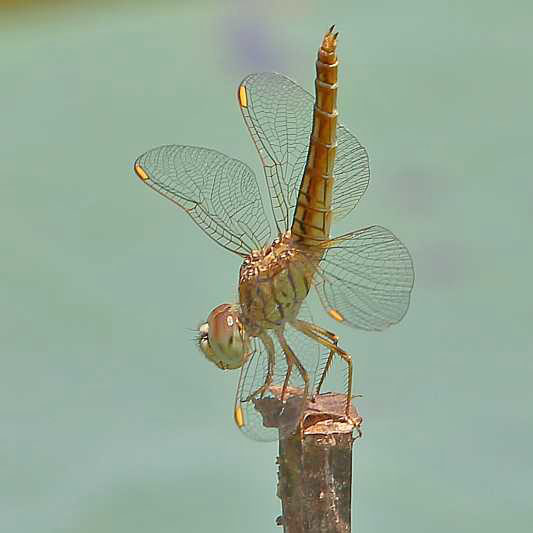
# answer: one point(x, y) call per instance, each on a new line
point(365, 279)
point(279, 116)
point(260, 416)
point(220, 194)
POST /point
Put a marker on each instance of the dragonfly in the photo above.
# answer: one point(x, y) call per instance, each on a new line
point(315, 171)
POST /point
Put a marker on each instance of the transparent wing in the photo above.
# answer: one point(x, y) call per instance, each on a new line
point(260, 414)
point(219, 193)
point(279, 115)
point(365, 279)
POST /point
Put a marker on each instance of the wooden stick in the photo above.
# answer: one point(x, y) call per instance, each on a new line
point(315, 469)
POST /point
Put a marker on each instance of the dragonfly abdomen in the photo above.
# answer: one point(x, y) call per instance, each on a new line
point(312, 217)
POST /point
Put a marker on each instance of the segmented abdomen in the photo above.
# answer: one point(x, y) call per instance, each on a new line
point(312, 217)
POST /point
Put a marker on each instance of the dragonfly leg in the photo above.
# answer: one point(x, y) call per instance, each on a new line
point(326, 370)
point(292, 360)
point(330, 340)
point(287, 377)
point(334, 339)
point(267, 341)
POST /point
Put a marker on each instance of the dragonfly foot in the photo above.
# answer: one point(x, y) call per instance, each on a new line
point(356, 422)
point(260, 391)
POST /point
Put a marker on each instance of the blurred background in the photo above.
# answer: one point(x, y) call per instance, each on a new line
point(111, 420)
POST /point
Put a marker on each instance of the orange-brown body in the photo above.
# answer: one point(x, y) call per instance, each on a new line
point(312, 218)
point(364, 281)
point(274, 281)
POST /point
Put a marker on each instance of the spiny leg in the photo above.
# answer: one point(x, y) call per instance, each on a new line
point(292, 359)
point(325, 371)
point(269, 345)
point(287, 377)
point(334, 339)
point(318, 334)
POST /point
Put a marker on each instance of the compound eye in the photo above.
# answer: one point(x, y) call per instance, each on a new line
point(226, 337)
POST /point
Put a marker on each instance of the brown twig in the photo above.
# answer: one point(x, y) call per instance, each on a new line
point(315, 469)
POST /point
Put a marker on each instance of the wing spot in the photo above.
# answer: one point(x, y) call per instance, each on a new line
point(243, 97)
point(239, 416)
point(333, 313)
point(141, 172)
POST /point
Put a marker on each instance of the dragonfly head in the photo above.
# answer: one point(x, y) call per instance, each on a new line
point(222, 338)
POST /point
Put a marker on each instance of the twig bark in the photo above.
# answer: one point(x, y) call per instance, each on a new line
point(315, 469)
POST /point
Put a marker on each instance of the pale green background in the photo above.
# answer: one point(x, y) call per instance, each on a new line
point(111, 421)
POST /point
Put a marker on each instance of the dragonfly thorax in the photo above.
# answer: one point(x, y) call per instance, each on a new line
point(269, 260)
point(273, 283)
